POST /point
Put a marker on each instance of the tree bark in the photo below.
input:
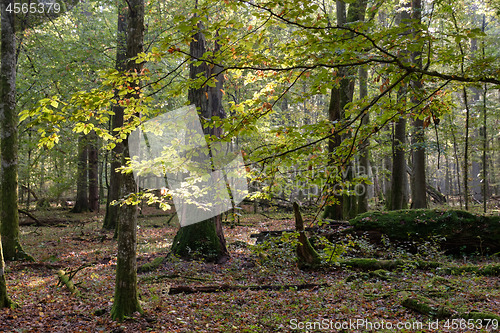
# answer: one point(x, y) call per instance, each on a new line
point(345, 206)
point(111, 216)
point(5, 301)
point(466, 150)
point(204, 239)
point(418, 191)
point(82, 202)
point(364, 158)
point(93, 164)
point(12, 248)
point(397, 198)
point(398, 174)
point(126, 300)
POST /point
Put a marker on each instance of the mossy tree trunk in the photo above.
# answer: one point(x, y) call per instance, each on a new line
point(5, 301)
point(204, 239)
point(126, 300)
point(82, 201)
point(111, 215)
point(12, 248)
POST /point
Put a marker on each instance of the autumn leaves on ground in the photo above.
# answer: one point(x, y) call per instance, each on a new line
point(77, 245)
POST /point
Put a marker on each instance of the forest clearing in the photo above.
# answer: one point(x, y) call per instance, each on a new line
point(250, 166)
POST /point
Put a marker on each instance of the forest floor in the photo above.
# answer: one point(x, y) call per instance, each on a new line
point(347, 301)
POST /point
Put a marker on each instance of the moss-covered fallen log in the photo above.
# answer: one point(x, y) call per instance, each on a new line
point(426, 306)
point(225, 287)
point(370, 264)
point(456, 231)
point(434, 309)
point(487, 270)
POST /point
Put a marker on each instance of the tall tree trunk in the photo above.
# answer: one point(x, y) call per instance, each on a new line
point(484, 159)
point(344, 206)
point(364, 159)
point(418, 190)
point(334, 211)
point(12, 248)
point(111, 215)
point(126, 299)
point(7, 101)
point(206, 238)
point(466, 150)
point(93, 172)
point(398, 174)
point(82, 201)
point(397, 199)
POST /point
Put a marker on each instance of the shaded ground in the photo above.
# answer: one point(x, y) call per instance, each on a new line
point(46, 307)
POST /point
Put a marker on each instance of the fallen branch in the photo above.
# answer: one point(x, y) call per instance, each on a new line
point(45, 222)
point(156, 278)
point(369, 264)
point(66, 280)
point(31, 216)
point(225, 287)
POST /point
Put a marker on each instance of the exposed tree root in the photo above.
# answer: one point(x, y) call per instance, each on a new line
point(151, 266)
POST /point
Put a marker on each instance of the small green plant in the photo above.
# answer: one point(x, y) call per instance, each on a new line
point(332, 252)
point(277, 251)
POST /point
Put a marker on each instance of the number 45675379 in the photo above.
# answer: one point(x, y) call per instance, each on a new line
point(34, 8)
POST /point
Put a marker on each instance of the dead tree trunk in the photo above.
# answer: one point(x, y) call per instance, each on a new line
point(307, 256)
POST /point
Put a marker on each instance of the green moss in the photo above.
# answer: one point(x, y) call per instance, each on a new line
point(480, 315)
point(488, 270)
